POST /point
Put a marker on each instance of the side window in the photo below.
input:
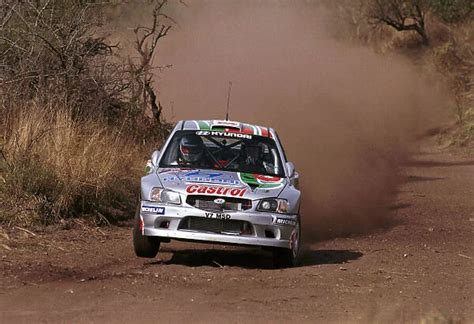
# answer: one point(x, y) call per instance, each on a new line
point(282, 149)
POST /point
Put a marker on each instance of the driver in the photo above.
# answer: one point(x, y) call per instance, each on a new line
point(191, 151)
point(253, 157)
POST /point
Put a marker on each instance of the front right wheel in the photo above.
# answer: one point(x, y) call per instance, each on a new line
point(285, 258)
point(144, 246)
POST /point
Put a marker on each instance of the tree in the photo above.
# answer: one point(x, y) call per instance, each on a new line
point(51, 49)
point(57, 53)
point(146, 41)
point(402, 15)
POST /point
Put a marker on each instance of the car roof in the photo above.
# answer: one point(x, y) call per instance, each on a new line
point(225, 125)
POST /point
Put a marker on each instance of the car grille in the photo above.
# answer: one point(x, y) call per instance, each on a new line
point(220, 226)
point(207, 203)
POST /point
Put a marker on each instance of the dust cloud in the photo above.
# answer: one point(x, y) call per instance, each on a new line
point(346, 116)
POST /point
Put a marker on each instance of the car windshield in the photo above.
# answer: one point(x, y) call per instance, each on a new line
point(219, 150)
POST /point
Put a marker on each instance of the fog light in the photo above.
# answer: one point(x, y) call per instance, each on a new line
point(165, 224)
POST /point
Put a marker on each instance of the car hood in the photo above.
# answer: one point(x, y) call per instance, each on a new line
point(221, 183)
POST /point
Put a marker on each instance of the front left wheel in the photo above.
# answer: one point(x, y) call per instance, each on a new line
point(144, 246)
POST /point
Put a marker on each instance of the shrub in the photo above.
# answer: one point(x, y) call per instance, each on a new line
point(57, 52)
point(75, 114)
point(58, 167)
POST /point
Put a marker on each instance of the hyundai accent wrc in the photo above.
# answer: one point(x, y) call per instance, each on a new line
point(223, 182)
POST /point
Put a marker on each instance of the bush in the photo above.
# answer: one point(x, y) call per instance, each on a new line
point(75, 114)
point(57, 53)
point(57, 167)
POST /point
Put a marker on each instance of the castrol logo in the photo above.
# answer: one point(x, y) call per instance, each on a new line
point(213, 190)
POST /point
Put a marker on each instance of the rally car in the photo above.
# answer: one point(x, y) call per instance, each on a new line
point(220, 181)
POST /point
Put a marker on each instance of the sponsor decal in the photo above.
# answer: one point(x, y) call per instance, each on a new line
point(168, 170)
point(213, 190)
point(153, 209)
point(227, 123)
point(210, 177)
point(203, 176)
point(218, 216)
point(219, 201)
point(284, 221)
point(204, 125)
point(225, 134)
point(261, 181)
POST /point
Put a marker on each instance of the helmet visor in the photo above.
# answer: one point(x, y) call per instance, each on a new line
point(190, 149)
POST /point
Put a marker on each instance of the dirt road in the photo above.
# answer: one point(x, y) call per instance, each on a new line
point(419, 268)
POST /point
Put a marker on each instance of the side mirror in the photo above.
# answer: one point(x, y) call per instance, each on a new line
point(293, 175)
point(155, 156)
point(290, 168)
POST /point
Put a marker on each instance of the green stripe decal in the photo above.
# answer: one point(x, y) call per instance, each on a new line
point(218, 129)
point(203, 125)
point(250, 179)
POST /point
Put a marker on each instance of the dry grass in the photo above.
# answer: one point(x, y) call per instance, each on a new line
point(55, 167)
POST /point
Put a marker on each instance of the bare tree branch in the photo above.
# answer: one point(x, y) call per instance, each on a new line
point(146, 41)
point(402, 15)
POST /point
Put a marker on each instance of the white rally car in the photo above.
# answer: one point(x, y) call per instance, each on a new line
point(220, 182)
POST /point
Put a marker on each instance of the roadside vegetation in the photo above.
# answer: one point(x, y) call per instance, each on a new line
point(76, 116)
point(76, 113)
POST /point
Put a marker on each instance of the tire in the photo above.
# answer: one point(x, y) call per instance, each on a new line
point(144, 246)
point(286, 258)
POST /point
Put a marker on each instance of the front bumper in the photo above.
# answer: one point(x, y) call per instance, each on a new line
point(266, 229)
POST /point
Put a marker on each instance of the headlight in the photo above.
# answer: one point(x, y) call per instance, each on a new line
point(165, 196)
point(274, 205)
